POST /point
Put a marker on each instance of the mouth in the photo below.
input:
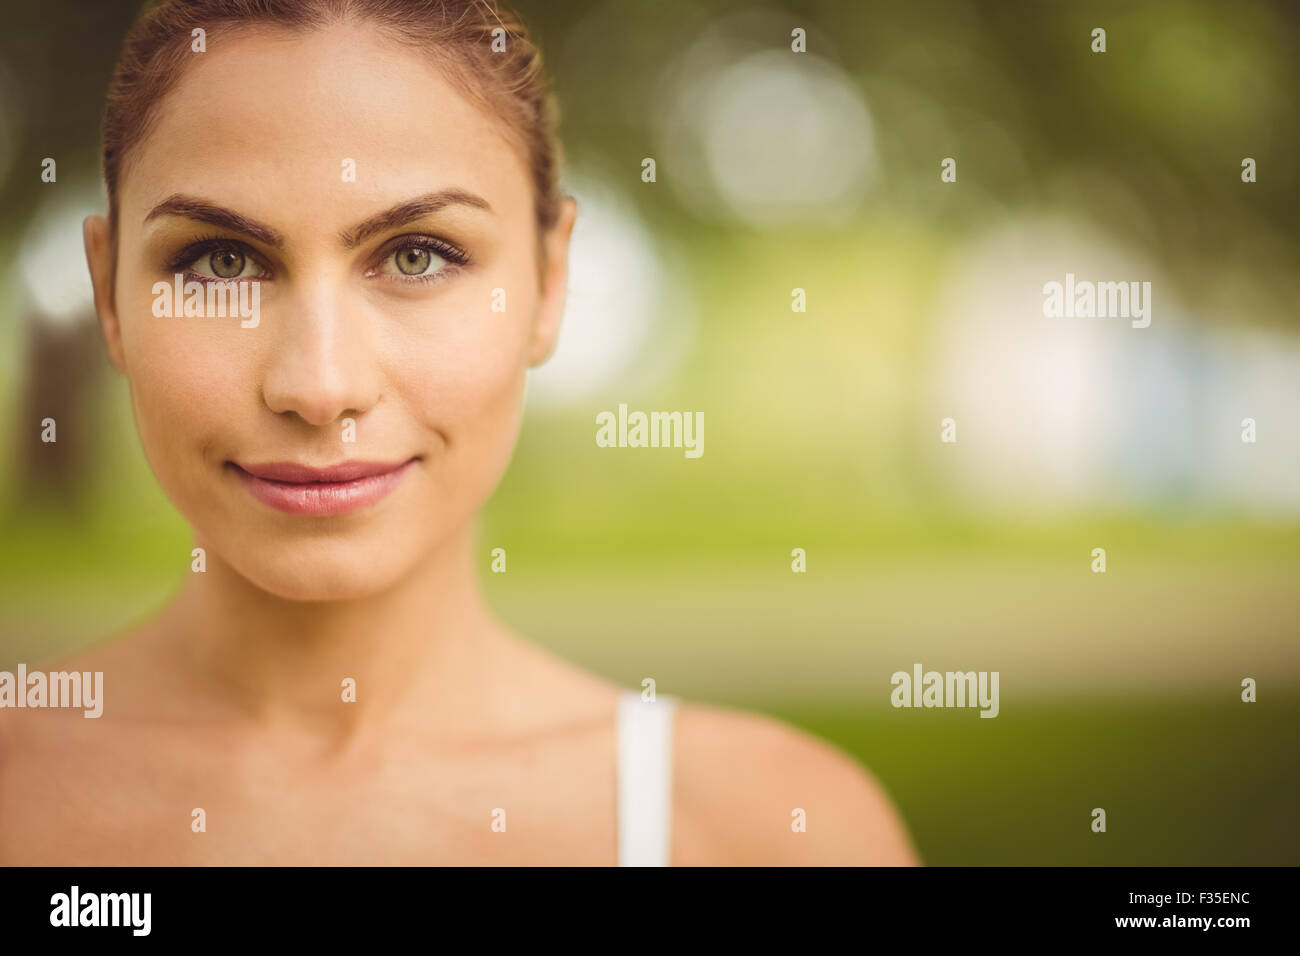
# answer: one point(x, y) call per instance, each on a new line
point(334, 490)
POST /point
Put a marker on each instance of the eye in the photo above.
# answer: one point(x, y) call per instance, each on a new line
point(225, 262)
point(412, 261)
point(417, 257)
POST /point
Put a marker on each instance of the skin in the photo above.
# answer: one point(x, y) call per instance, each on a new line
point(230, 698)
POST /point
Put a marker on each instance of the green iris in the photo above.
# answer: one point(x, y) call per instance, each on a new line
point(227, 263)
point(413, 261)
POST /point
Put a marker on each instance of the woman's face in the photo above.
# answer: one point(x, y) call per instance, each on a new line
point(375, 345)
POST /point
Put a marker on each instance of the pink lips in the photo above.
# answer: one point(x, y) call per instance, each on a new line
point(301, 490)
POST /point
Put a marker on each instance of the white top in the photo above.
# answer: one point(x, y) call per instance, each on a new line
point(645, 779)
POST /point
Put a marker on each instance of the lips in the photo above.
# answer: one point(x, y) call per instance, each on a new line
point(334, 490)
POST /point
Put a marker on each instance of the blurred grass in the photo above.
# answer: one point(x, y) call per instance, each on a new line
point(1184, 781)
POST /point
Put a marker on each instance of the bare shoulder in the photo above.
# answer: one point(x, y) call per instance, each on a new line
point(53, 741)
point(753, 790)
point(70, 689)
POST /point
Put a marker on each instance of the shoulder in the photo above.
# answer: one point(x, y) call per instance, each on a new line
point(753, 790)
point(35, 741)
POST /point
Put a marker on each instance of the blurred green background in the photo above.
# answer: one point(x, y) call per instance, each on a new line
point(820, 171)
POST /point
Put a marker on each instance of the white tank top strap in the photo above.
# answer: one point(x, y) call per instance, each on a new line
point(645, 779)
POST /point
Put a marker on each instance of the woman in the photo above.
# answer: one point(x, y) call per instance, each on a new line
point(378, 179)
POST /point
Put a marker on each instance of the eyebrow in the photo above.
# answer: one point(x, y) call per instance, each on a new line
point(411, 210)
point(190, 207)
point(201, 210)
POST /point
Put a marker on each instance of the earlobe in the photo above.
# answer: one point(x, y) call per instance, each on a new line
point(99, 259)
point(555, 280)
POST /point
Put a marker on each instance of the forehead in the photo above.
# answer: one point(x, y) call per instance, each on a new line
point(266, 119)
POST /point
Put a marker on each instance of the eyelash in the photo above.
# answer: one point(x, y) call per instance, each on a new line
point(206, 245)
point(453, 256)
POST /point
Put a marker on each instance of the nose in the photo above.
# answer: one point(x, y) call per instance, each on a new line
point(322, 366)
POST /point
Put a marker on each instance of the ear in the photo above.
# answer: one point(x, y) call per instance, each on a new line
point(555, 281)
point(100, 259)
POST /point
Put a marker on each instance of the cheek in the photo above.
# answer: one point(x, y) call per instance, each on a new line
point(466, 382)
point(189, 379)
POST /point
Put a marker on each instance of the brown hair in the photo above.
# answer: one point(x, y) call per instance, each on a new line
point(512, 83)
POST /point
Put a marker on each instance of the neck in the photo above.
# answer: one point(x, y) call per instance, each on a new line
point(416, 646)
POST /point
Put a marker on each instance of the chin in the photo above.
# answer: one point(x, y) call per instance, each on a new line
point(330, 584)
point(340, 569)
